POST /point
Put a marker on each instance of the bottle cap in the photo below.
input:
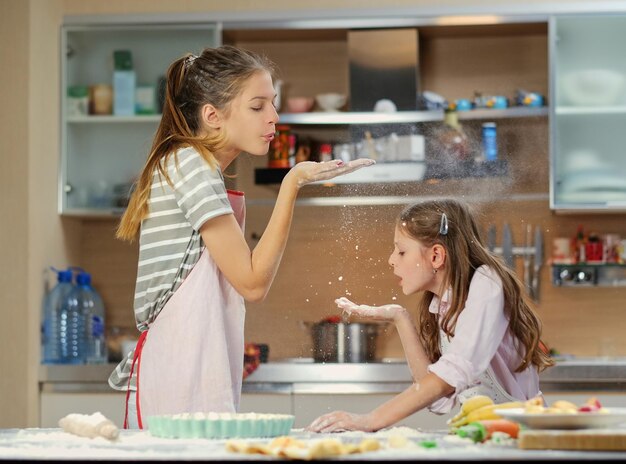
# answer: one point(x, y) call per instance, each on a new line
point(83, 278)
point(63, 275)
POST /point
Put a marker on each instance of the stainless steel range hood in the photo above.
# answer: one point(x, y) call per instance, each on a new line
point(384, 64)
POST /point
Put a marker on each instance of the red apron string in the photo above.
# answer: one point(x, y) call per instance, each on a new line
point(136, 359)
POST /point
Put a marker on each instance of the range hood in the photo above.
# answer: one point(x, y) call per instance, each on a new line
point(384, 64)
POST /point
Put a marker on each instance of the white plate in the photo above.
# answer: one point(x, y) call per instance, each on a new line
point(586, 420)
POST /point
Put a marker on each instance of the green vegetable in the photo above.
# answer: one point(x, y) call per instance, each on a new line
point(428, 444)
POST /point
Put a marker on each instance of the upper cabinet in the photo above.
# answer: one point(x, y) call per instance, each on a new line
point(108, 65)
point(111, 76)
point(588, 117)
point(459, 63)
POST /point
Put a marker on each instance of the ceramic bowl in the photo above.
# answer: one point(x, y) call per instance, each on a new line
point(331, 101)
point(593, 87)
point(299, 104)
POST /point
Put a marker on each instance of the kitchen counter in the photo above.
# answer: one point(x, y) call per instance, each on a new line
point(54, 444)
point(301, 374)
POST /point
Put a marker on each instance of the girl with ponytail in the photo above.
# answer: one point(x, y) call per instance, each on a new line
point(195, 268)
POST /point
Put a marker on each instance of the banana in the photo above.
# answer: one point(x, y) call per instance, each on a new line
point(485, 413)
point(475, 403)
point(470, 405)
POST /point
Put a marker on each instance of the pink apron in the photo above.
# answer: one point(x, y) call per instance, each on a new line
point(191, 358)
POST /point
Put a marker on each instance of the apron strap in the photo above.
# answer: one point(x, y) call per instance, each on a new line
point(136, 359)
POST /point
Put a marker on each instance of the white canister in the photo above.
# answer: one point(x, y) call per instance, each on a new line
point(562, 252)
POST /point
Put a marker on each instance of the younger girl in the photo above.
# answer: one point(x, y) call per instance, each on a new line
point(195, 268)
point(477, 333)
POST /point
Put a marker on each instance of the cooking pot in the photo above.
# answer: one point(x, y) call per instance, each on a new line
point(344, 342)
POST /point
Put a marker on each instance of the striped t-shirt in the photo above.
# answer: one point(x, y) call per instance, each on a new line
point(170, 242)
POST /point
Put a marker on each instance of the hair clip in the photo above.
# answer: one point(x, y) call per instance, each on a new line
point(443, 227)
point(189, 61)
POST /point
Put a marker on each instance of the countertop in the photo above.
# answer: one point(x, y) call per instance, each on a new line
point(301, 374)
point(54, 444)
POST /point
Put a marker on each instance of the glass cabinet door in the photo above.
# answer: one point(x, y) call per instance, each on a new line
point(588, 114)
point(101, 153)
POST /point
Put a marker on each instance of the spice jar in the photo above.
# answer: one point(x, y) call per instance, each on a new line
point(279, 150)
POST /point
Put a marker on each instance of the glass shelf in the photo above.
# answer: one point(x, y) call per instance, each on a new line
point(113, 119)
point(405, 117)
point(589, 110)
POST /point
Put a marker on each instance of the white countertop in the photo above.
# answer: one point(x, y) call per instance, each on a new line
point(54, 444)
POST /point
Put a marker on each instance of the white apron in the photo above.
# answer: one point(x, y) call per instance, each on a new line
point(191, 358)
point(487, 384)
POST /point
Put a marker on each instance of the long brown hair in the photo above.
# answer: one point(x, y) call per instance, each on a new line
point(214, 77)
point(465, 253)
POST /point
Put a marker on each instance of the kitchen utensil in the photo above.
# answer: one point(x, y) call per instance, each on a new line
point(537, 262)
point(491, 237)
point(527, 244)
point(507, 246)
point(344, 342)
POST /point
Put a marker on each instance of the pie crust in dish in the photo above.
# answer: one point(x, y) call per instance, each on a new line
point(220, 425)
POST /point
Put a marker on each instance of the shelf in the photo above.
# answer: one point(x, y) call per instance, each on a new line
point(396, 172)
point(343, 118)
point(152, 118)
point(404, 117)
point(589, 110)
point(589, 275)
point(513, 112)
point(94, 213)
point(383, 172)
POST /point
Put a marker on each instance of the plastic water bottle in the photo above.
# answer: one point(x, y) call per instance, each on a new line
point(490, 143)
point(72, 329)
point(51, 320)
point(93, 311)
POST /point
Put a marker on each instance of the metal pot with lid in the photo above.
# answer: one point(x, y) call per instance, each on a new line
point(344, 342)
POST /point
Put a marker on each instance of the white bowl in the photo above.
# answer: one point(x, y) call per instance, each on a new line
point(593, 87)
point(331, 101)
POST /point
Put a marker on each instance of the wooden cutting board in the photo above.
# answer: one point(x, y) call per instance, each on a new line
point(588, 439)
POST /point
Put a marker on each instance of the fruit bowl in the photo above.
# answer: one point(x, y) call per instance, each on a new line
point(331, 101)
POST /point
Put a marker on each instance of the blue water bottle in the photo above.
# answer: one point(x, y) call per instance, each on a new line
point(93, 311)
point(51, 320)
point(490, 143)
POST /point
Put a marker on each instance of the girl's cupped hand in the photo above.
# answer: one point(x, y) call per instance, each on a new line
point(380, 313)
point(306, 172)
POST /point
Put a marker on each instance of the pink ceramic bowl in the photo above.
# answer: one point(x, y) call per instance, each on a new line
point(299, 104)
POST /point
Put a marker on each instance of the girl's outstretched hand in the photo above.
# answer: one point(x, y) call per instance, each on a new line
point(340, 421)
point(306, 172)
point(380, 313)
